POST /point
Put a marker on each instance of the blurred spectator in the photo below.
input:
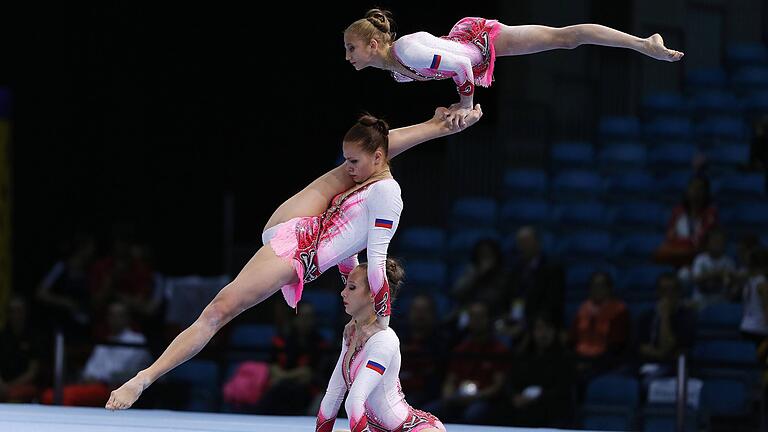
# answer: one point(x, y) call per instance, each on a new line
point(485, 280)
point(538, 286)
point(689, 224)
point(20, 362)
point(601, 327)
point(298, 370)
point(64, 294)
point(712, 271)
point(539, 391)
point(475, 375)
point(755, 295)
point(423, 348)
point(668, 329)
point(125, 276)
point(109, 365)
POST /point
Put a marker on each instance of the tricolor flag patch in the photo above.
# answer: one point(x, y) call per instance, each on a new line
point(383, 223)
point(375, 366)
point(436, 61)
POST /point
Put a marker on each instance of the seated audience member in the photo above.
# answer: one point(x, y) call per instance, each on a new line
point(668, 329)
point(299, 366)
point(486, 279)
point(540, 386)
point(689, 224)
point(601, 327)
point(538, 286)
point(423, 348)
point(109, 365)
point(476, 373)
point(712, 271)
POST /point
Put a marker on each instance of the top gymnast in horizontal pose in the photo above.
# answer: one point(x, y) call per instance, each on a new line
point(469, 51)
point(369, 368)
point(353, 207)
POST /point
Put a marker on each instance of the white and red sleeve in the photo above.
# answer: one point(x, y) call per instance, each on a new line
point(346, 266)
point(334, 395)
point(379, 352)
point(384, 208)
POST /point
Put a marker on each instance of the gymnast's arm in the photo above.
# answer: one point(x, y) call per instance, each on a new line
point(334, 395)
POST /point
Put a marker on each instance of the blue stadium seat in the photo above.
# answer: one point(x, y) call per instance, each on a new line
point(756, 103)
point(747, 215)
point(580, 183)
point(474, 212)
point(619, 127)
point(673, 183)
point(730, 155)
point(665, 104)
point(725, 397)
point(716, 102)
point(639, 214)
point(612, 390)
point(668, 128)
point(592, 243)
point(622, 156)
point(750, 79)
point(327, 304)
point(721, 128)
point(461, 242)
point(426, 273)
point(746, 54)
point(519, 212)
point(639, 281)
point(568, 155)
point(721, 316)
point(741, 185)
point(583, 214)
point(421, 240)
point(525, 182)
point(671, 156)
point(252, 336)
point(630, 183)
point(706, 78)
point(725, 353)
point(201, 381)
point(637, 246)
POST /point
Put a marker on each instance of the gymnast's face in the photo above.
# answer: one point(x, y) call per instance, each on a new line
point(360, 164)
point(356, 293)
point(358, 52)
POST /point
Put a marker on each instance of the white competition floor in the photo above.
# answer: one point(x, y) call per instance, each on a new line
point(42, 418)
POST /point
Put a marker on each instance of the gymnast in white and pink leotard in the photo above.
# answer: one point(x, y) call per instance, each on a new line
point(365, 217)
point(468, 53)
point(369, 369)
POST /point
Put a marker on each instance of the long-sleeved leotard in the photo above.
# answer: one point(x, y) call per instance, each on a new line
point(467, 55)
point(366, 219)
point(375, 401)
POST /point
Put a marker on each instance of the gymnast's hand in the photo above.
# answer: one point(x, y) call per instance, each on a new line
point(471, 117)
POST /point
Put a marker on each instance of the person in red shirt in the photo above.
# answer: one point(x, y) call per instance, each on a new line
point(601, 327)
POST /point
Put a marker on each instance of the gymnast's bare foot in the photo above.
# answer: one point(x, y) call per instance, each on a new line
point(656, 49)
point(127, 394)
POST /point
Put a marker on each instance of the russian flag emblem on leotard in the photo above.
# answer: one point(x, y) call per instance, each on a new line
point(436, 61)
point(375, 366)
point(383, 223)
